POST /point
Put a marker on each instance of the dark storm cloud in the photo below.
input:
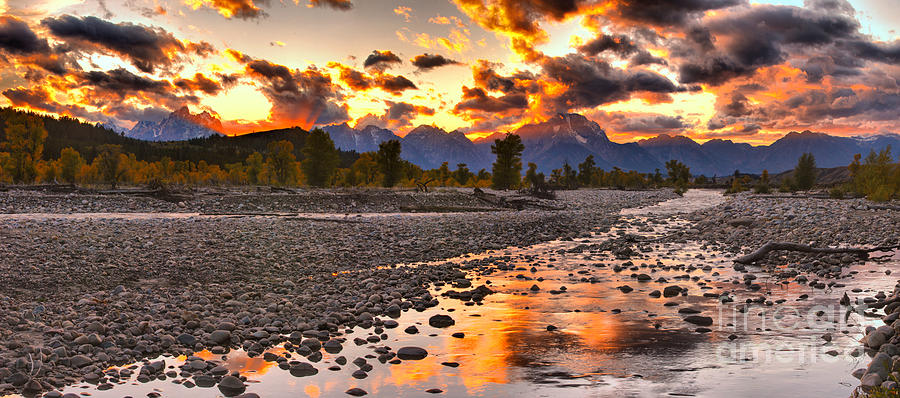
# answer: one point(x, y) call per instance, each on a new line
point(888, 53)
point(39, 99)
point(430, 61)
point(766, 35)
point(199, 83)
point(872, 104)
point(486, 77)
point(397, 116)
point(353, 78)
point(476, 99)
point(405, 111)
point(650, 124)
point(592, 82)
point(122, 81)
point(360, 81)
point(645, 58)
point(16, 37)
point(619, 44)
point(342, 5)
point(668, 12)
point(381, 60)
point(305, 97)
point(146, 47)
point(394, 84)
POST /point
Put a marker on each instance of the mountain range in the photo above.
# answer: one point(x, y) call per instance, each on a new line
point(564, 138)
point(572, 137)
point(177, 126)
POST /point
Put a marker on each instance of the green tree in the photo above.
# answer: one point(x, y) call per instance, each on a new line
point(254, 167)
point(586, 171)
point(70, 162)
point(679, 174)
point(878, 178)
point(281, 162)
point(507, 168)
point(389, 162)
point(462, 174)
point(569, 176)
point(109, 164)
point(25, 135)
point(531, 175)
point(805, 172)
point(320, 158)
point(657, 178)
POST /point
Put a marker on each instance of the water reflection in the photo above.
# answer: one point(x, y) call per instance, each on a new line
point(608, 342)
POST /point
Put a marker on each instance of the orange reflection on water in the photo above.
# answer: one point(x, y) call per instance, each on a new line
point(241, 363)
point(312, 390)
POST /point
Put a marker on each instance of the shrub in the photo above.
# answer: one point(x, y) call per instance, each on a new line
point(837, 192)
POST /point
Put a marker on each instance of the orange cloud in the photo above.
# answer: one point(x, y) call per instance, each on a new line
point(404, 12)
point(243, 9)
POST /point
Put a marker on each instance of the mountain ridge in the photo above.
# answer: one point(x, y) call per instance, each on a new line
point(179, 125)
point(570, 138)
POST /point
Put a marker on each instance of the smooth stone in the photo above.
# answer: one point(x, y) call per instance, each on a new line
point(441, 321)
point(411, 353)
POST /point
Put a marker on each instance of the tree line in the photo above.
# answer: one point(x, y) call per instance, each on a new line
point(23, 161)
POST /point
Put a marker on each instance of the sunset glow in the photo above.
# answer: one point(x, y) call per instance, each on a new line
point(748, 71)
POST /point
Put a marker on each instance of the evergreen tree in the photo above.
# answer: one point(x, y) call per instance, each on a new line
point(507, 168)
point(805, 172)
point(320, 158)
point(389, 162)
point(462, 174)
point(586, 171)
point(531, 175)
point(657, 178)
point(570, 177)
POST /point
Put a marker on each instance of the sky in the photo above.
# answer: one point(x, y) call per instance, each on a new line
point(744, 70)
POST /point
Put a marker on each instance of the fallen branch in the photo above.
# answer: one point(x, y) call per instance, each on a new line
point(882, 207)
point(280, 189)
point(247, 214)
point(795, 247)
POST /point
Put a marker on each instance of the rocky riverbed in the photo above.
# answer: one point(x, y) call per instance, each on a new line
point(238, 200)
point(82, 294)
point(584, 298)
point(747, 222)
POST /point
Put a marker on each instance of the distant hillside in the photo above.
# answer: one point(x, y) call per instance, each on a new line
point(221, 150)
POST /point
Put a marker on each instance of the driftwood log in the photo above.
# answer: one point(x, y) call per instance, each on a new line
point(796, 247)
point(515, 202)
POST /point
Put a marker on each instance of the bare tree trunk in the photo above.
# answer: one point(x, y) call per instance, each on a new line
point(796, 247)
